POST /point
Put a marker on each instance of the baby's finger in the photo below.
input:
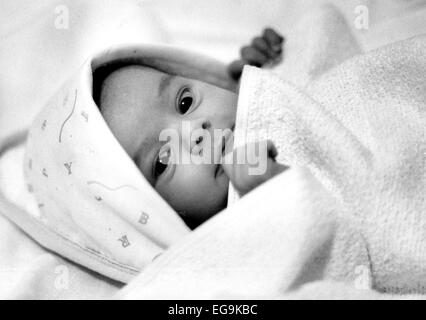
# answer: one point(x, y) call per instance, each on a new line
point(260, 44)
point(253, 56)
point(273, 39)
point(272, 36)
point(236, 68)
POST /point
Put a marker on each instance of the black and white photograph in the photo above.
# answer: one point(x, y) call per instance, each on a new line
point(225, 151)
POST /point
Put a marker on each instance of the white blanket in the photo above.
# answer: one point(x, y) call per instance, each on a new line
point(360, 129)
point(267, 245)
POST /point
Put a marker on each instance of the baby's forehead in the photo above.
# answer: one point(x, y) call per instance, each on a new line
point(133, 73)
point(116, 76)
point(130, 83)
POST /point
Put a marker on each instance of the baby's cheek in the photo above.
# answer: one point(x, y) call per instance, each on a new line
point(208, 197)
point(194, 192)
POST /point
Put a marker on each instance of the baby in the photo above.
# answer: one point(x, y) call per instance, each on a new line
point(139, 104)
point(106, 172)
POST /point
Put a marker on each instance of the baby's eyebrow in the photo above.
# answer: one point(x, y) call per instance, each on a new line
point(164, 83)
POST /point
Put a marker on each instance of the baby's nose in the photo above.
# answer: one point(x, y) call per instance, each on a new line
point(199, 132)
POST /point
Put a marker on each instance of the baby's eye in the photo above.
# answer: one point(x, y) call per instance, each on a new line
point(161, 162)
point(184, 101)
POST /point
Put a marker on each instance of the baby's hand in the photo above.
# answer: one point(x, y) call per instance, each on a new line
point(262, 50)
point(245, 177)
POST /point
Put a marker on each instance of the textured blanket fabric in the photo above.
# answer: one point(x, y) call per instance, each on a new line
point(361, 130)
point(354, 214)
point(260, 248)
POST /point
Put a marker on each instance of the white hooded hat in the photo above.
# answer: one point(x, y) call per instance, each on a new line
point(90, 194)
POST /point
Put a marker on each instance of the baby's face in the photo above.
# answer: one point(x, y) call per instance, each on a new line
point(141, 104)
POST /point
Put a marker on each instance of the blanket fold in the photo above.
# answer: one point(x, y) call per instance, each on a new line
point(360, 129)
point(255, 252)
